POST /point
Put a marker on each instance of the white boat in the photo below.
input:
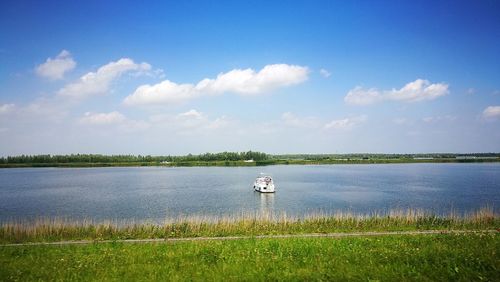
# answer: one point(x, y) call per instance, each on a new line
point(264, 184)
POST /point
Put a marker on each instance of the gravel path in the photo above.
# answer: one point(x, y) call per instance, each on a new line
point(310, 235)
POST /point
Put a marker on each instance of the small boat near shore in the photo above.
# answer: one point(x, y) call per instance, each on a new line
point(264, 184)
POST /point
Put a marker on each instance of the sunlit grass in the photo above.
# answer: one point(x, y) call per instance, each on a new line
point(58, 229)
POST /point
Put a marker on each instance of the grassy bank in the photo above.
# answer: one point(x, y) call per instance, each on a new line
point(49, 230)
point(466, 257)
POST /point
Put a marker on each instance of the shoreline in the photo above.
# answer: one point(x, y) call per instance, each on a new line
point(59, 229)
point(244, 164)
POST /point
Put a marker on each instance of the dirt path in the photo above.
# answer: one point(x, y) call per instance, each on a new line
point(310, 235)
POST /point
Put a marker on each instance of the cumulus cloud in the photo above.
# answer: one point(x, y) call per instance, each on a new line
point(491, 112)
point(346, 123)
point(56, 68)
point(114, 119)
point(98, 83)
point(165, 92)
point(360, 96)
point(250, 82)
point(325, 73)
point(6, 108)
point(418, 90)
point(243, 82)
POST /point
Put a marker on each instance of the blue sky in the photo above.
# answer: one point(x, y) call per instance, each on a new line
point(298, 77)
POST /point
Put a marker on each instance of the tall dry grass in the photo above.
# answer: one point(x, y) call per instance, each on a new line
point(58, 229)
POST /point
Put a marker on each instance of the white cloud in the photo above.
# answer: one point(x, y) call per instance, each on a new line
point(40, 110)
point(51, 108)
point(57, 67)
point(115, 119)
point(190, 119)
point(6, 108)
point(190, 122)
point(418, 90)
point(220, 122)
point(102, 118)
point(360, 96)
point(292, 120)
point(165, 92)
point(471, 91)
point(325, 73)
point(134, 125)
point(243, 82)
point(250, 82)
point(491, 112)
point(439, 118)
point(194, 119)
point(98, 83)
point(345, 123)
point(191, 114)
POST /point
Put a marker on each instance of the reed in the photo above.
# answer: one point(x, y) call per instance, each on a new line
point(264, 223)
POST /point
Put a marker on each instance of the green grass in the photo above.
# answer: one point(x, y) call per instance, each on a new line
point(458, 257)
point(466, 257)
point(47, 230)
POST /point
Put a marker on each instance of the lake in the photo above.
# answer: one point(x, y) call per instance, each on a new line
point(156, 193)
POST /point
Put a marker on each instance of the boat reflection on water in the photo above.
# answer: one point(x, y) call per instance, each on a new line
point(266, 203)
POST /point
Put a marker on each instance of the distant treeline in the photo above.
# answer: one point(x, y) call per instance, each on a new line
point(381, 156)
point(238, 157)
point(96, 158)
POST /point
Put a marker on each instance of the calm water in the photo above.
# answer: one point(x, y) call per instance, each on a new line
point(154, 193)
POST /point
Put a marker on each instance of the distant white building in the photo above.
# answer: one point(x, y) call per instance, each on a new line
point(248, 161)
point(466, 157)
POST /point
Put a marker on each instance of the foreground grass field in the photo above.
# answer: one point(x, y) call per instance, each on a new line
point(465, 257)
point(438, 257)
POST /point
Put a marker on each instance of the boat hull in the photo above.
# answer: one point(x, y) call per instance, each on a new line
point(264, 189)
